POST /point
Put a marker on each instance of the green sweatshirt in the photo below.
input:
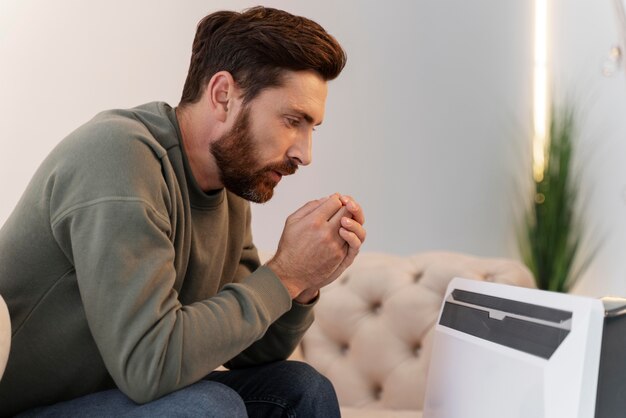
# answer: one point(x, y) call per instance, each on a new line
point(119, 270)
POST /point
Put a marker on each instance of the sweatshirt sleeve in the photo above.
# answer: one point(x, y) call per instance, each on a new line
point(280, 340)
point(150, 343)
point(284, 335)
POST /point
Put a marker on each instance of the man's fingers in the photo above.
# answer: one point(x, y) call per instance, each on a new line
point(351, 238)
point(354, 208)
point(308, 208)
point(354, 227)
point(335, 220)
point(328, 208)
point(347, 261)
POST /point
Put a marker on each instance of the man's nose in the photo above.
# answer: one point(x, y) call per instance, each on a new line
point(300, 152)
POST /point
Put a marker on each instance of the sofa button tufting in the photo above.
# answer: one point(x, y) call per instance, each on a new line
point(418, 276)
point(344, 279)
point(343, 348)
point(375, 308)
point(417, 347)
point(378, 392)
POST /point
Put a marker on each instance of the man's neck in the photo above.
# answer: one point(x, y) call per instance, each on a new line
point(196, 134)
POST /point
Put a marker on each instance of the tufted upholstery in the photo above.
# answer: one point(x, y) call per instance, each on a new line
point(374, 326)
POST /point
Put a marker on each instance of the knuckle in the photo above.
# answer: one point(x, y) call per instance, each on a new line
point(317, 223)
point(336, 247)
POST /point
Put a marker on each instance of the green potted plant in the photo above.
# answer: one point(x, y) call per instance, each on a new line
point(551, 236)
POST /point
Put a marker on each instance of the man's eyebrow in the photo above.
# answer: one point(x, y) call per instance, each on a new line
point(306, 116)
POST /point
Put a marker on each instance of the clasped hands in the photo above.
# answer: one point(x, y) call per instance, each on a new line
point(319, 241)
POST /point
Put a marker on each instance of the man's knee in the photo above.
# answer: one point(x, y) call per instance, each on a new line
point(311, 393)
point(306, 379)
point(202, 399)
point(208, 399)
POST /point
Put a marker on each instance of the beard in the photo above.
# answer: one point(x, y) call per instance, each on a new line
point(241, 172)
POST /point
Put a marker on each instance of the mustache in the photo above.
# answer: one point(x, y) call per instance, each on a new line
point(287, 167)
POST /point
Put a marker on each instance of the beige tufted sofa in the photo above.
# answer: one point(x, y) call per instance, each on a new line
point(374, 326)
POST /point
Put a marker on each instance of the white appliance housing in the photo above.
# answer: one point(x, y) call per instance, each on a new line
point(508, 352)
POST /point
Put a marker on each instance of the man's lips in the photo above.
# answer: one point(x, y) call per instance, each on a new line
point(276, 175)
point(278, 171)
point(281, 173)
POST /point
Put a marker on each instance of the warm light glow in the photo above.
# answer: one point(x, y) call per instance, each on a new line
point(540, 91)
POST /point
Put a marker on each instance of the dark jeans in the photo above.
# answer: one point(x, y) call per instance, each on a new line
point(281, 389)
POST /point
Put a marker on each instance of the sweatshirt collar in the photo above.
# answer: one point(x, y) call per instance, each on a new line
point(199, 198)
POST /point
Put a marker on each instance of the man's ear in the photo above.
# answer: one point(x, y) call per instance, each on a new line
point(222, 92)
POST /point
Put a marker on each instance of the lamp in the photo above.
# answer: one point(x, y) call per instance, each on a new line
point(613, 62)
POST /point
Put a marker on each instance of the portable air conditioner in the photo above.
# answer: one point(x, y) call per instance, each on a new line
point(509, 352)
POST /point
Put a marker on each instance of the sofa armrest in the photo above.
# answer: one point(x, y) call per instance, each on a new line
point(5, 335)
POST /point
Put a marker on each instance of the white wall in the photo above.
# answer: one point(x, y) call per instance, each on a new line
point(584, 32)
point(423, 126)
point(427, 127)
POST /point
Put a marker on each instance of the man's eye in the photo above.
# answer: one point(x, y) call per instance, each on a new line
point(293, 122)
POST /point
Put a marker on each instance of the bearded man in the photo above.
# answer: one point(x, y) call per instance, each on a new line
point(128, 265)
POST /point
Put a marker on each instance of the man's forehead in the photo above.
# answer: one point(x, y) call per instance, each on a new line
point(301, 93)
point(305, 92)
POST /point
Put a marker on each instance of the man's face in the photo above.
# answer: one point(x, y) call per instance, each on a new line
point(271, 136)
point(239, 163)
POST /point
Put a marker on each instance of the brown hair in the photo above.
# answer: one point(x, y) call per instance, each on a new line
point(256, 47)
